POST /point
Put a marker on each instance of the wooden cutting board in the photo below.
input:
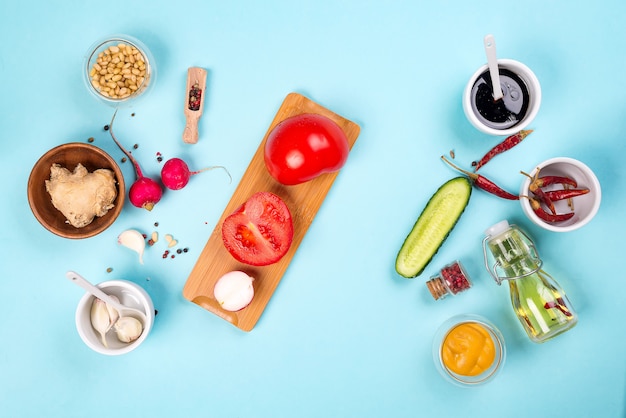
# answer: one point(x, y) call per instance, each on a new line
point(303, 200)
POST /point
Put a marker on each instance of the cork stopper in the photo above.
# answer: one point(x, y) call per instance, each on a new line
point(437, 288)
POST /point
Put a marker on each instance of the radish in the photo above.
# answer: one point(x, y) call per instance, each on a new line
point(144, 192)
point(175, 173)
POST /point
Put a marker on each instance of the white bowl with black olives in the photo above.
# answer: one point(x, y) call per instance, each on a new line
point(103, 330)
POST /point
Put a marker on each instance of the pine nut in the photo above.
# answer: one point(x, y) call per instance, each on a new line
point(118, 71)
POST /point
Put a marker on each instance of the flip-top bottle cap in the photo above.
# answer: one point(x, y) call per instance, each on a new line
point(497, 228)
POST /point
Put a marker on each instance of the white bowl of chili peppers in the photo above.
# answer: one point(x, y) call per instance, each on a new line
point(561, 194)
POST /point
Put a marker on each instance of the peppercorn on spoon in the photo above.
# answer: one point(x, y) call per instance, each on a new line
point(123, 311)
point(492, 63)
point(194, 102)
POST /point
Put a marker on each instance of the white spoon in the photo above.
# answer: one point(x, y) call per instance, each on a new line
point(97, 292)
point(492, 62)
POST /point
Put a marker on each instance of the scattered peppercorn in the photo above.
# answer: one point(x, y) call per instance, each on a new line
point(109, 270)
point(185, 250)
point(179, 251)
point(136, 146)
point(123, 159)
point(156, 224)
point(106, 127)
point(90, 139)
point(133, 114)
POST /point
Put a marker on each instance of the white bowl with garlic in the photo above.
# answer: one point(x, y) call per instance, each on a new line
point(103, 330)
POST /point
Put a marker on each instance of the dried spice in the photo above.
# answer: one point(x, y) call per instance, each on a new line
point(484, 183)
point(195, 95)
point(503, 146)
point(452, 279)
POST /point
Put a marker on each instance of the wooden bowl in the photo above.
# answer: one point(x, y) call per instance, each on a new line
point(68, 156)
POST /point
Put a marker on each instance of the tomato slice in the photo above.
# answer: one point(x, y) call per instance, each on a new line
point(260, 231)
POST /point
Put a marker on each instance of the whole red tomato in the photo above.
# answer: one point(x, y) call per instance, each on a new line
point(260, 231)
point(302, 147)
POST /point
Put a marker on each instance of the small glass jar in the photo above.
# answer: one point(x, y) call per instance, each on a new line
point(135, 76)
point(478, 346)
point(450, 280)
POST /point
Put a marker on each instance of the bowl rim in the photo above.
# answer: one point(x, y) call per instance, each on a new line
point(148, 306)
point(80, 233)
point(558, 227)
point(529, 77)
point(97, 46)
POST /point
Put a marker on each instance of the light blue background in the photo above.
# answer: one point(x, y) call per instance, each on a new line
point(343, 336)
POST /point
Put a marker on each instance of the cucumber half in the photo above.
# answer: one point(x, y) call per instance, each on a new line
point(433, 226)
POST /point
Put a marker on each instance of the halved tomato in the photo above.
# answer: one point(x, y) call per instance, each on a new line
point(260, 231)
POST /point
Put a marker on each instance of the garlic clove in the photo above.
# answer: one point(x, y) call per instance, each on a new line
point(100, 319)
point(113, 314)
point(234, 291)
point(128, 329)
point(103, 317)
point(134, 240)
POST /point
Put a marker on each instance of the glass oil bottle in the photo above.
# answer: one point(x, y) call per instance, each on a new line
point(538, 301)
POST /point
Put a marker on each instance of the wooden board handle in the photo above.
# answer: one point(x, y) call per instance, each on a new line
point(194, 102)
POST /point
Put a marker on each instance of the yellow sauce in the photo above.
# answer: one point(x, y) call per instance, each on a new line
point(468, 349)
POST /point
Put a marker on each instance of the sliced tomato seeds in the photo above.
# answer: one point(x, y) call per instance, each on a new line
point(260, 231)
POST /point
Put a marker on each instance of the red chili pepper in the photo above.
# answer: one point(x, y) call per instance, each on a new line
point(560, 305)
point(565, 194)
point(549, 180)
point(544, 181)
point(548, 217)
point(543, 197)
point(484, 183)
point(503, 146)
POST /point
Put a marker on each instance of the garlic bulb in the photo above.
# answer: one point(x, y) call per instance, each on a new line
point(128, 329)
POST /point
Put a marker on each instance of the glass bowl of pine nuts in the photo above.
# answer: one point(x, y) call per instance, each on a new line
point(119, 69)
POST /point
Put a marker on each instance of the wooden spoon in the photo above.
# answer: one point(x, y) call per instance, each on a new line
point(196, 81)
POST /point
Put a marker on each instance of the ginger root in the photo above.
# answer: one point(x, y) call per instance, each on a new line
point(80, 195)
